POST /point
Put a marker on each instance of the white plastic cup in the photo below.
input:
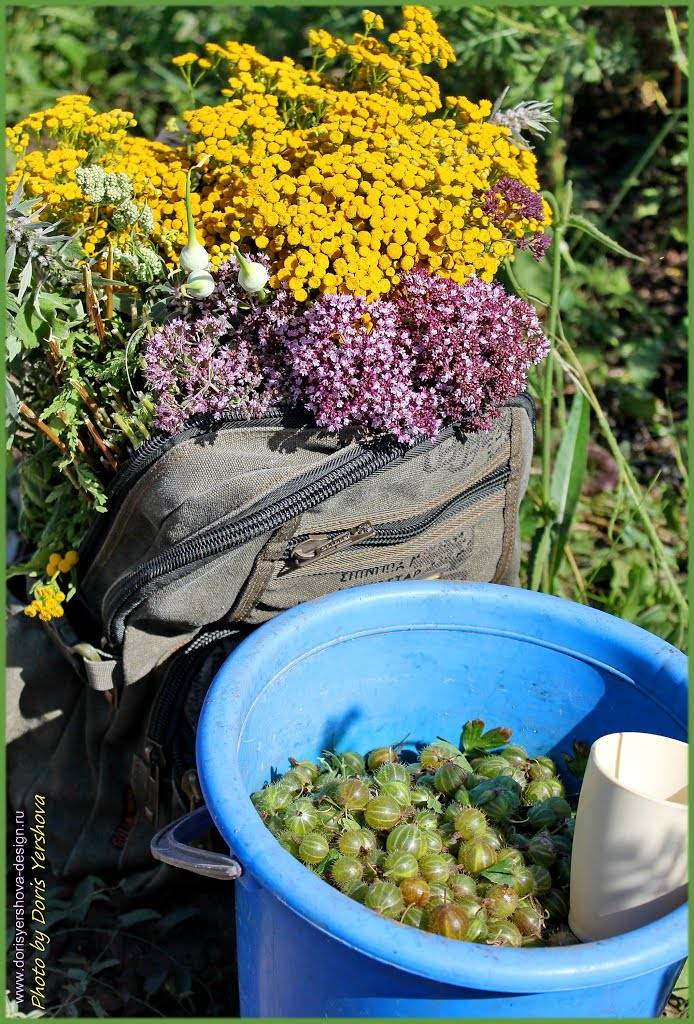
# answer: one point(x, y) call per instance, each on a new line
point(629, 857)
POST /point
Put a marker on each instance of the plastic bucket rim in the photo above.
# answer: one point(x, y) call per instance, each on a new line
point(641, 951)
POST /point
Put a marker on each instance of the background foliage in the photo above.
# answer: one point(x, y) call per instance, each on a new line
point(617, 80)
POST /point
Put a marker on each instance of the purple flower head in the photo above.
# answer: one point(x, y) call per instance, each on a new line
point(473, 343)
point(196, 367)
point(537, 245)
point(510, 199)
point(432, 351)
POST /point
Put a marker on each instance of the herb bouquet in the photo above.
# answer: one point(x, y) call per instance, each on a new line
point(323, 238)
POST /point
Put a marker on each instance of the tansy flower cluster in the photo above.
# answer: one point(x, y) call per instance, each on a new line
point(48, 598)
point(346, 175)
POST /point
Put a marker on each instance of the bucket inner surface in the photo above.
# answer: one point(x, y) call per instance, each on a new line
point(355, 697)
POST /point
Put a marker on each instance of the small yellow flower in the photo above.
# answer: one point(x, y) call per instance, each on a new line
point(184, 58)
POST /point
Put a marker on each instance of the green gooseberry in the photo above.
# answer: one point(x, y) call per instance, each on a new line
point(470, 822)
point(406, 838)
point(541, 850)
point(415, 890)
point(382, 813)
point(385, 898)
point(556, 905)
point(523, 881)
point(514, 754)
point(542, 879)
point(476, 855)
point(413, 915)
point(354, 763)
point(352, 794)
point(392, 771)
point(503, 933)
point(449, 777)
point(399, 866)
point(301, 818)
point(380, 756)
point(537, 791)
point(427, 820)
point(462, 797)
point(434, 867)
point(346, 873)
point(501, 902)
point(529, 920)
point(512, 856)
point(313, 848)
point(478, 930)
point(492, 766)
point(398, 791)
point(448, 920)
point(462, 885)
point(433, 843)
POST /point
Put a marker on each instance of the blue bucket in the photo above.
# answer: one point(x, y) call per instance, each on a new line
point(366, 667)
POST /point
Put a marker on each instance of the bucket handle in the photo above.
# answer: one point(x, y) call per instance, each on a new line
point(171, 846)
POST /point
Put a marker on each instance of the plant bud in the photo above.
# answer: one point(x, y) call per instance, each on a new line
point(252, 276)
point(199, 285)
point(193, 256)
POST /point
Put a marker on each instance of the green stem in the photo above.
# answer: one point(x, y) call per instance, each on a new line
point(192, 236)
point(632, 485)
point(553, 319)
point(558, 234)
point(632, 178)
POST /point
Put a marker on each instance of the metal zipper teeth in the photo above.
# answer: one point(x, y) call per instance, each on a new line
point(400, 532)
point(149, 452)
point(488, 485)
point(152, 449)
point(119, 601)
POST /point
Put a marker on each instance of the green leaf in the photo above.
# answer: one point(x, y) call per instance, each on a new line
point(567, 477)
point(139, 916)
point(155, 980)
point(11, 403)
point(24, 279)
point(9, 260)
point(176, 917)
point(500, 873)
point(576, 762)
point(28, 326)
point(474, 740)
point(580, 223)
point(539, 555)
point(471, 734)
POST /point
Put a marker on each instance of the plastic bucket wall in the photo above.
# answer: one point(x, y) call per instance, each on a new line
point(369, 666)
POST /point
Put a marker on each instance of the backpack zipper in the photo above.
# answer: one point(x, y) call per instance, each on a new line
point(309, 490)
point(305, 549)
point(151, 450)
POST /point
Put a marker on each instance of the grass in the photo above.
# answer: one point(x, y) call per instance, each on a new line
point(604, 521)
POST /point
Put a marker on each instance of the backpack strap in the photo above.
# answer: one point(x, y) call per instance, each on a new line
point(99, 670)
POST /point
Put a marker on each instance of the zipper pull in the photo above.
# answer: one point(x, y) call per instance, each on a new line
point(191, 788)
point(154, 757)
point(312, 550)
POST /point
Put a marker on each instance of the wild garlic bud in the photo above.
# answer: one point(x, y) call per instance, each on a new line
point(199, 284)
point(252, 276)
point(193, 255)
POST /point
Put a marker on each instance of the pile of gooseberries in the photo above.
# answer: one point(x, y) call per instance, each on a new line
point(470, 842)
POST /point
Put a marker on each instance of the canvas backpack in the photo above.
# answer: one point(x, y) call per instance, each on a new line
point(217, 529)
